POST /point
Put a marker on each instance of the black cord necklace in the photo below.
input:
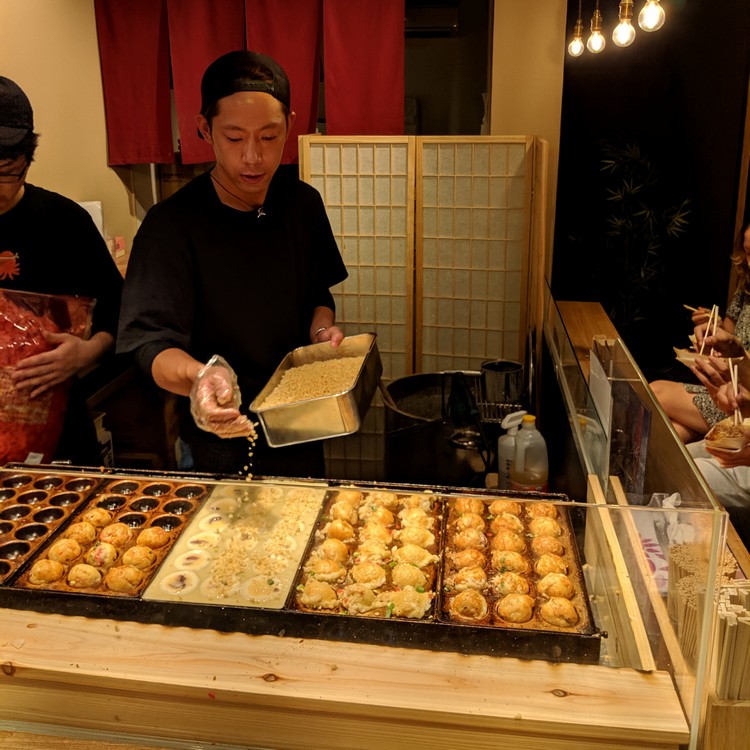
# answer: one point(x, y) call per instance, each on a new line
point(258, 209)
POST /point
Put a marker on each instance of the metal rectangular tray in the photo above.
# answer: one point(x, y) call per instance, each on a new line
point(326, 416)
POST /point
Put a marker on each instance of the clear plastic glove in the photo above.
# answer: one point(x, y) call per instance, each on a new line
point(215, 401)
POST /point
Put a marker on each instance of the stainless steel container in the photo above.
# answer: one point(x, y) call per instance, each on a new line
point(327, 416)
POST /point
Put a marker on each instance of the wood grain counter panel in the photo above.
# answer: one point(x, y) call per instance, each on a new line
point(196, 685)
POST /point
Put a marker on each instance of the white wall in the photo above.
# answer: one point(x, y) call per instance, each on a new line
point(528, 54)
point(49, 48)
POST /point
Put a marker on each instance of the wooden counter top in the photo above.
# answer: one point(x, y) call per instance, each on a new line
point(583, 321)
point(66, 674)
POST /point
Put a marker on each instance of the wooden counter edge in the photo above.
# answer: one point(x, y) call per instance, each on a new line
point(131, 671)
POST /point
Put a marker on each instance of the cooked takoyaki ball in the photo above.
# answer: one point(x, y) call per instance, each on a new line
point(508, 540)
point(377, 513)
point(404, 575)
point(470, 521)
point(318, 595)
point(505, 560)
point(333, 549)
point(470, 578)
point(368, 574)
point(386, 499)
point(97, 517)
point(340, 529)
point(414, 555)
point(417, 501)
point(416, 517)
point(64, 550)
point(560, 612)
point(509, 583)
point(371, 551)
point(544, 526)
point(542, 544)
point(46, 571)
point(469, 558)
point(469, 606)
point(550, 563)
point(469, 505)
point(123, 578)
point(325, 570)
point(153, 537)
point(415, 535)
point(83, 532)
point(556, 584)
point(405, 603)
point(345, 511)
point(102, 555)
point(470, 539)
point(117, 534)
point(356, 598)
point(83, 576)
point(139, 556)
point(515, 608)
point(376, 532)
point(506, 522)
point(538, 508)
point(351, 497)
point(505, 506)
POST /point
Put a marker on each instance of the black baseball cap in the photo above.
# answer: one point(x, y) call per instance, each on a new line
point(16, 115)
point(243, 70)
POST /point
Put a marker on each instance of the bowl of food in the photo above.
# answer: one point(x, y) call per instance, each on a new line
point(728, 435)
point(689, 356)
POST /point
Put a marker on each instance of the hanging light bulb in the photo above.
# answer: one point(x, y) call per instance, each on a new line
point(596, 41)
point(575, 48)
point(624, 33)
point(651, 16)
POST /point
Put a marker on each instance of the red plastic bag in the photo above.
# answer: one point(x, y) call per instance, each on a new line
point(30, 427)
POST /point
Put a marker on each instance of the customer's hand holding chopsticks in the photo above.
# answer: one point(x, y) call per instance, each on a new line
point(718, 342)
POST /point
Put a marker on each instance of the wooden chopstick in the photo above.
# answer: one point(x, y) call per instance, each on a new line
point(692, 309)
point(735, 386)
point(708, 326)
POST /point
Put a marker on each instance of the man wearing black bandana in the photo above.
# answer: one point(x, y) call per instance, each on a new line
point(238, 263)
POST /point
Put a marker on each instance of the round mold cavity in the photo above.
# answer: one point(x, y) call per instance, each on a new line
point(32, 498)
point(178, 507)
point(143, 504)
point(15, 512)
point(79, 485)
point(65, 498)
point(156, 490)
point(31, 531)
point(6, 494)
point(168, 523)
point(124, 488)
point(14, 550)
point(5, 527)
point(189, 491)
point(134, 520)
point(48, 483)
point(112, 502)
point(49, 515)
point(4, 568)
point(17, 480)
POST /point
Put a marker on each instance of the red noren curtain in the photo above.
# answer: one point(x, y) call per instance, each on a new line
point(289, 32)
point(199, 32)
point(133, 47)
point(363, 67)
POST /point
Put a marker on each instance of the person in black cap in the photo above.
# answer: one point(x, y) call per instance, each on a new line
point(238, 263)
point(50, 245)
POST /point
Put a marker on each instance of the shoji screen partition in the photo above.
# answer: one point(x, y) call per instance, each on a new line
point(367, 184)
point(437, 235)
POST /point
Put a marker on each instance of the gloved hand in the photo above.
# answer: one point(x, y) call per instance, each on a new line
point(215, 401)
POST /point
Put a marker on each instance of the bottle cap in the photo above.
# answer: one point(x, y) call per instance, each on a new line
point(512, 420)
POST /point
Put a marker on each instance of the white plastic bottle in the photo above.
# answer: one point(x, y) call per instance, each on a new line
point(530, 467)
point(506, 448)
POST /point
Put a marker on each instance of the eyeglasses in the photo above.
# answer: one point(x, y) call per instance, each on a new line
point(8, 178)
